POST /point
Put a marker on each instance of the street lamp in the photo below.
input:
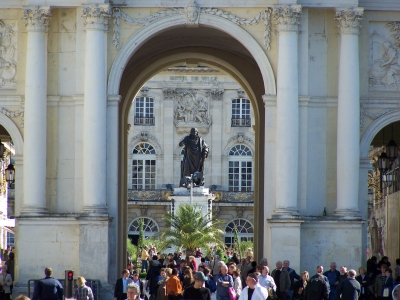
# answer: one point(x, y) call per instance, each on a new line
point(392, 150)
point(383, 163)
point(10, 173)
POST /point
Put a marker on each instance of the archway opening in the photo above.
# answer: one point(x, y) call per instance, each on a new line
point(384, 192)
point(190, 47)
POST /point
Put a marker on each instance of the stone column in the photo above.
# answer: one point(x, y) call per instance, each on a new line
point(287, 109)
point(35, 132)
point(95, 109)
point(348, 121)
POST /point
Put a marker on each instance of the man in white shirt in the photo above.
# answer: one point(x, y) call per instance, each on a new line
point(253, 290)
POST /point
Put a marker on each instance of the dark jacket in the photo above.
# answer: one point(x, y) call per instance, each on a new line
point(366, 284)
point(349, 289)
point(152, 276)
point(317, 289)
point(292, 275)
point(48, 288)
point(296, 286)
point(284, 280)
point(118, 290)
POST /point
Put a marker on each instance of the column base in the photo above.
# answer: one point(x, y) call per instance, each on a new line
point(285, 213)
point(347, 213)
point(34, 211)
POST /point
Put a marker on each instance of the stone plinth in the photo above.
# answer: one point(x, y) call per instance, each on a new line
point(201, 198)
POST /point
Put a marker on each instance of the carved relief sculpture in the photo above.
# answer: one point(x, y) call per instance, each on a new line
point(191, 109)
point(384, 72)
point(192, 13)
point(8, 50)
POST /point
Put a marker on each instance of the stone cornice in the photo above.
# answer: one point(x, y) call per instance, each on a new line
point(349, 19)
point(96, 16)
point(37, 18)
point(287, 17)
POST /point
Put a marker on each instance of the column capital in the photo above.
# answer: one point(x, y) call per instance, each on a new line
point(287, 17)
point(113, 100)
point(96, 16)
point(37, 18)
point(349, 19)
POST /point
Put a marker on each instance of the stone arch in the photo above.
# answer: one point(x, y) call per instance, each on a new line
point(147, 32)
point(14, 132)
point(144, 227)
point(142, 138)
point(374, 128)
point(238, 140)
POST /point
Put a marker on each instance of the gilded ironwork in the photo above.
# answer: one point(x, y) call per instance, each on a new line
point(148, 195)
point(234, 196)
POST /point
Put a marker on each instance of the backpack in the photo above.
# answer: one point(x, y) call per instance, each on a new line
point(212, 285)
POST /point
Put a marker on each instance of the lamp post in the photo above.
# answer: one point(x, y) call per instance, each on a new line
point(10, 172)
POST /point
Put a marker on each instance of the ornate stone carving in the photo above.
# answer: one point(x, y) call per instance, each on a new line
point(239, 211)
point(148, 195)
point(215, 93)
point(349, 19)
point(240, 138)
point(8, 50)
point(370, 115)
point(37, 18)
point(287, 17)
point(191, 110)
point(96, 16)
point(144, 91)
point(16, 113)
point(384, 56)
point(143, 210)
point(238, 197)
point(241, 93)
point(192, 13)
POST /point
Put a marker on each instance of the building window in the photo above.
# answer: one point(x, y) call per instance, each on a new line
point(240, 173)
point(150, 228)
point(144, 111)
point(245, 231)
point(144, 167)
point(10, 239)
point(240, 113)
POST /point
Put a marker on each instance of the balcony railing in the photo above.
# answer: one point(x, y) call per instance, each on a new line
point(240, 122)
point(162, 195)
point(144, 121)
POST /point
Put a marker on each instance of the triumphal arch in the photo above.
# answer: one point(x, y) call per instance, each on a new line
point(71, 69)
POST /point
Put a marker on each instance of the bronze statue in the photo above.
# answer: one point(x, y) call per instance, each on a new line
point(195, 152)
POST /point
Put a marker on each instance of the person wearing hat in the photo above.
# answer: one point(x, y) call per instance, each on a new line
point(197, 291)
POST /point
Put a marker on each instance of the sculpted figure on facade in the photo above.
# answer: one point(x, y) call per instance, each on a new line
point(8, 49)
point(195, 152)
point(192, 13)
point(384, 72)
point(189, 110)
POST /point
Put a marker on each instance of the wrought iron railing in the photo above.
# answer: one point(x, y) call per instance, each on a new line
point(240, 122)
point(162, 195)
point(144, 121)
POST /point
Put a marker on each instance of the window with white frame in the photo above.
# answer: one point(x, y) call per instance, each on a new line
point(241, 113)
point(10, 239)
point(150, 228)
point(244, 228)
point(144, 111)
point(240, 172)
point(144, 167)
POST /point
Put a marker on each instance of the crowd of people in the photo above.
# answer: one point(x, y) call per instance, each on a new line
point(174, 277)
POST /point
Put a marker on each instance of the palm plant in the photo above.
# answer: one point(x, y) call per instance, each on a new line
point(187, 228)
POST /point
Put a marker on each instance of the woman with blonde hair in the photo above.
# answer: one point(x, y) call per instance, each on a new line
point(83, 292)
point(300, 286)
point(193, 264)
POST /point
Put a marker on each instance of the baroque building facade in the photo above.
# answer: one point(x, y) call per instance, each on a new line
point(322, 79)
point(162, 114)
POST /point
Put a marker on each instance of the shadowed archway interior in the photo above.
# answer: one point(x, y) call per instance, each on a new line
point(206, 46)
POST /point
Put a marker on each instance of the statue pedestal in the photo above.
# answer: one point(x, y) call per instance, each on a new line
point(201, 197)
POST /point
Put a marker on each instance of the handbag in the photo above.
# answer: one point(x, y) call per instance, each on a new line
point(232, 293)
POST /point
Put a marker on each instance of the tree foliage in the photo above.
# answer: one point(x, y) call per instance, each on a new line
point(141, 234)
point(187, 228)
